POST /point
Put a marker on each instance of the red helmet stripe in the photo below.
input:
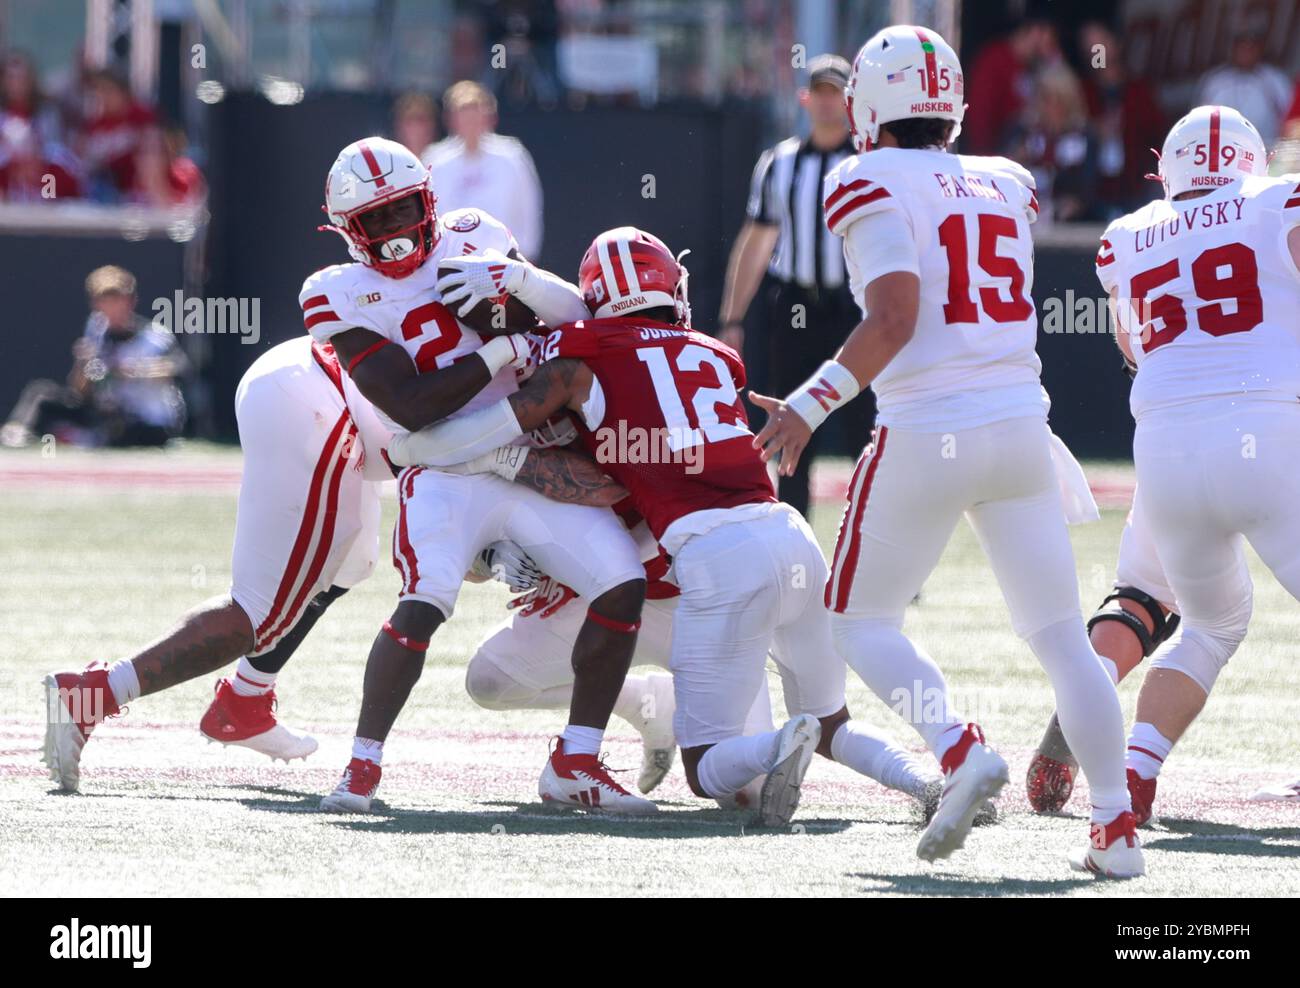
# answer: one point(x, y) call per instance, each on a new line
point(1214, 139)
point(931, 67)
point(374, 165)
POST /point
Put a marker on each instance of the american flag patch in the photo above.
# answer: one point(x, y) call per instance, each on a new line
point(894, 77)
point(1183, 152)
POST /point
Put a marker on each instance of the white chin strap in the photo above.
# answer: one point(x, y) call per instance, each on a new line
point(396, 249)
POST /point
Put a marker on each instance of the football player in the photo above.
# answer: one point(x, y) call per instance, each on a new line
point(1204, 285)
point(307, 529)
point(412, 302)
point(658, 406)
point(939, 256)
point(524, 664)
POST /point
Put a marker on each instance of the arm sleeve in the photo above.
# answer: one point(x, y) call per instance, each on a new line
point(458, 439)
point(881, 243)
point(554, 300)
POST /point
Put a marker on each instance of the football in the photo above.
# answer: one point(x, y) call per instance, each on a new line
point(490, 319)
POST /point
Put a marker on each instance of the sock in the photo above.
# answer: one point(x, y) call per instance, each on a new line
point(730, 765)
point(631, 702)
point(1147, 750)
point(863, 750)
point(901, 674)
point(582, 740)
point(368, 750)
point(123, 681)
point(248, 681)
point(1088, 708)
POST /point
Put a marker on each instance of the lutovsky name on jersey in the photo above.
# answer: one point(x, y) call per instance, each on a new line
point(1185, 220)
point(968, 187)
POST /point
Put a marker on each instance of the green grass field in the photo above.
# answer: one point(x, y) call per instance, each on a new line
point(93, 567)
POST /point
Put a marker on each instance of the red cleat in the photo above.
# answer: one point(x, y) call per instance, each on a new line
point(249, 721)
point(584, 781)
point(74, 703)
point(1143, 794)
point(355, 790)
point(1048, 783)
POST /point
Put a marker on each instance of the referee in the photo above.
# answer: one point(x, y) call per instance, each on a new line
point(786, 256)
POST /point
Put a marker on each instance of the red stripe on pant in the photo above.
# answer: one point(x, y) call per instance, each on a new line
point(326, 540)
point(851, 526)
point(305, 529)
point(403, 551)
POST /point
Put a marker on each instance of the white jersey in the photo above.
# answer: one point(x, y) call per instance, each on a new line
point(1208, 294)
point(971, 360)
point(408, 310)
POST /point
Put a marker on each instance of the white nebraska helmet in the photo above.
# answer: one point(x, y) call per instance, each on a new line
point(367, 174)
point(1211, 146)
point(903, 71)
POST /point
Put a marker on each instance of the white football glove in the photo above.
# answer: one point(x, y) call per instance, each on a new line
point(555, 432)
point(507, 562)
point(489, 276)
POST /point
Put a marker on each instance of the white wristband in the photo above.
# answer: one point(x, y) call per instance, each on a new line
point(831, 386)
point(500, 351)
point(504, 461)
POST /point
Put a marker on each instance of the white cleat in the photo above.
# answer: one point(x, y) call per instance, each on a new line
point(583, 781)
point(1113, 850)
point(975, 774)
point(74, 704)
point(659, 747)
point(355, 790)
point(794, 751)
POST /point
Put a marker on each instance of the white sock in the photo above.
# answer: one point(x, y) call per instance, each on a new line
point(123, 681)
point(248, 681)
point(730, 765)
point(901, 674)
point(873, 755)
point(582, 740)
point(1147, 750)
point(1089, 711)
point(368, 750)
point(633, 701)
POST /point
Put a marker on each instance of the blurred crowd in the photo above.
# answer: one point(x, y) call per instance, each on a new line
point(1086, 131)
point(94, 141)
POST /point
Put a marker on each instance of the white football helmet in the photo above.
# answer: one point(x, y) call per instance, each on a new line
point(903, 71)
point(370, 173)
point(1209, 147)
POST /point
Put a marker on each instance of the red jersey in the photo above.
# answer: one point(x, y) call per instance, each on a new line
point(665, 417)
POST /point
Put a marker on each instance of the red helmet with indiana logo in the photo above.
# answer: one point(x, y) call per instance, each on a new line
point(626, 270)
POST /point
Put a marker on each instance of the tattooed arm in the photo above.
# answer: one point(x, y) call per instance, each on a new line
point(566, 475)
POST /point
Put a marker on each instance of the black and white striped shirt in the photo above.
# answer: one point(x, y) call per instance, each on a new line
point(786, 190)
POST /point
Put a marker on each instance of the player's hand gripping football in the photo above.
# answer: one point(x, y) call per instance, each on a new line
point(785, 436)
point(489, 276)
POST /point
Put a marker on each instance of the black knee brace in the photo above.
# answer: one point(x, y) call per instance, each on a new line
point(275, 660)
point(1163, 624)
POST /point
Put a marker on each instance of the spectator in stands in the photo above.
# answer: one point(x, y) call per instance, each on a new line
point(21, 96)
point(122, 389)
point(1124, 115)
point(1056, 143)
point(477, 167)
point(415, 122)
point(1259, 91)
point(163, 175)
point(115, 124)
point(999, 85)
point(31, 171)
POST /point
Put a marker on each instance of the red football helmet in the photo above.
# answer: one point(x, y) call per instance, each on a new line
point(627, 270)
point(371, 173)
